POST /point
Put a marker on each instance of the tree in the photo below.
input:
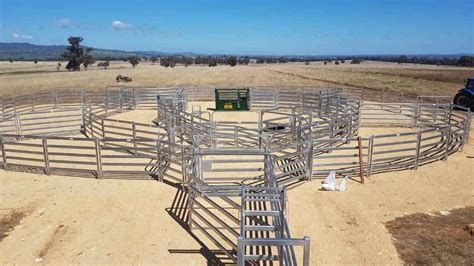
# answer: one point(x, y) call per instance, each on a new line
point(232, 61)
point(164, 62)
point(403, 59)
point(244, 60)
point(343, 61)
point(153, 59)
point(87, 59)
point(467, 61)
point(212, 62)
point(168, 61)
point(105, 64)
point(74, 54)
point(187, 61)
point(337, 62)
point(356, 61)
point(36, 61)
point(172, 61)
point(134, 61)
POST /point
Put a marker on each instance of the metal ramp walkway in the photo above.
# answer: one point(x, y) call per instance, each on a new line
point(248, 224)
point(263, 217)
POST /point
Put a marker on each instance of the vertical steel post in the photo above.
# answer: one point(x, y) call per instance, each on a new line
point(236, 137)
point(4, 155)
point(448, 140)
point(102, 125)
point(159, 162)
point(240, 251)
point(361, 161)
point(331, 131)
point(370, 153)
point(18, 123)
point(282, 212)
point(121, 100)
point(465, 133)
point(415, 114)
point(90, 122)
point(83, 120)
point(260, 128)
point(47, 169)
point(134, 99)
point(306, 251)
point(134, 138)
point(417, 152)
point(183, 165)
point(98, 158)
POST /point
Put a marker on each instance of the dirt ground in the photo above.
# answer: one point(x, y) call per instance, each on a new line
point(348, 227)
point(63, 220)
point(71, 220)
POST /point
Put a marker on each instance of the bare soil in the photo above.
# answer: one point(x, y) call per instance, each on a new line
point(70, 220)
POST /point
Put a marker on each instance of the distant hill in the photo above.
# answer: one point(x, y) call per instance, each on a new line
point(27, 51)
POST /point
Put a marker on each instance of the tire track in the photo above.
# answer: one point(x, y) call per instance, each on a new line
point(323, 80)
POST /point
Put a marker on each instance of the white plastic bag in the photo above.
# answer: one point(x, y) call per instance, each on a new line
point(342, 185)
point(329, 182)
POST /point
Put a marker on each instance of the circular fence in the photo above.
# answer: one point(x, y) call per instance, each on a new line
point(74, 132)
point(231, 171)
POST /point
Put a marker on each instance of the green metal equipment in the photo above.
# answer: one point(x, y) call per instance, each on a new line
point(232, 99)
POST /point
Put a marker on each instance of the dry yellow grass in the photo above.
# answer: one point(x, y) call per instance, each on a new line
point(20, 78)
point(74, 220)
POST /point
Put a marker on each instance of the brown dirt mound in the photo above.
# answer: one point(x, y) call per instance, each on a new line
point(434, 239)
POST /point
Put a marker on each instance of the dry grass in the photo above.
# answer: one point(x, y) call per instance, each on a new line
point(118, 221)
point(434, 239)
point(20, 78)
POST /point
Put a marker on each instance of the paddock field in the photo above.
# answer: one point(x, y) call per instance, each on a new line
point(71, 220)
point(25, 77)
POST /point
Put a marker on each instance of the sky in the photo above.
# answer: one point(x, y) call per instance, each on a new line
point(254, 27)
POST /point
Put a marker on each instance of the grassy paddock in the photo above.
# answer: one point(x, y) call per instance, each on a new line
point(20, 78)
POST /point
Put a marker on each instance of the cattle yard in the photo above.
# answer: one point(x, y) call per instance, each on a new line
point(234, 167)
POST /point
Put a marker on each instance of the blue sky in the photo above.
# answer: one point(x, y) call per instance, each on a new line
point(247, 27)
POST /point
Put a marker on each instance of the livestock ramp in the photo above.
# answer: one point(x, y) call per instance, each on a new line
point(249, 224)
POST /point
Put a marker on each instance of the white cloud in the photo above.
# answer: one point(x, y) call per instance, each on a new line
point(64, 23)
point(21, 36)
point(120, 25)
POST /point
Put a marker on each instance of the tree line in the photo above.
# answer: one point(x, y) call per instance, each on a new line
point(76, 55)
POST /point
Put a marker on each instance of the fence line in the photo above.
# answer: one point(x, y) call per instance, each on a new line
point(331, 123)
point(300, 135)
